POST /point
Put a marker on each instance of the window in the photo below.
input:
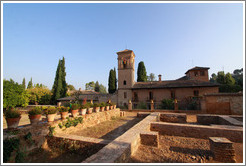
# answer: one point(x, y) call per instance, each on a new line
point(196, 73)
point(172, 94)
point(125, 95)
point(124, 82)
point(135, 96)
point(124, 63)
point(196, 93)
point(202, 73)
point(151, 95)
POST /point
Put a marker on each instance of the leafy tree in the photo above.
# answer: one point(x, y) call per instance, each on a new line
point(14, 94)
point(90, 86)
point(24, 83)
point(97, 87)
point(141, 73)
point(238, 76)
point(71, 87)
point(39, 95)
point(59, 88)
point(167, 104)
point(220, 77)
point(111, 82)
point(102, 89)
point(151, 77)
point(29, 86)
point(229, 80)
point(213, 78)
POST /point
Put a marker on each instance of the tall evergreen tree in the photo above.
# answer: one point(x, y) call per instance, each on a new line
point(115, 79)
point(111, 82)
point(59, 88)
point(97, 87)
point(141, 73)
point(24, 83)
point(30, 86)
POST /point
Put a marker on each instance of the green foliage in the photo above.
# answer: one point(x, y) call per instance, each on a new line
point(71, 122)
point(102, 104)
point(230, 88)
point(229, 80)
point(141, 73)
point(71, 87)
point(167, 104)
point(20, 156)
point(75, 106)
point(30, 86)
point(90, 86)
point(97, 87)
point(141, 105)
point(24, 83)
point(59, 88)
point(151, 77)
point(50, 110)
point(111, 82)
point(51, 131)
point(9, 145)
point(115, 82)
point(14, 94)
point(82, 106)
point(88, 105)
point(35, 111)
point(39, 95)
point(44, 108)
point(63, 109)
point(96, 105)
point(213, 78)
point(102, 89)
point(28, 138)
point(12, 113)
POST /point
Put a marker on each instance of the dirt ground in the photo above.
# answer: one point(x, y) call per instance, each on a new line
point(180, 150)
point(110, 129)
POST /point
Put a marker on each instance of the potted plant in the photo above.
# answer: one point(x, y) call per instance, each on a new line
point(74, 110)
point(110, 106)
point(12, 117)
point(44, 108)
point(83, 109)
point(50, 113)
point(114, 105)
point(63, 111)
point(89, 108)
point(102, 106)
point(96, 107)
point(107, 107)
point(35, 115)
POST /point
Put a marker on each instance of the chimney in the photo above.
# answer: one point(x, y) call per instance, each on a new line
point(159, 77)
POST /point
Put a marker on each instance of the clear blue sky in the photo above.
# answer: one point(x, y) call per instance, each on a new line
point(169, 38)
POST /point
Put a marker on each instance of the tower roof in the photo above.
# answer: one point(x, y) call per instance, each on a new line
point(124, 51)
point(197, 68)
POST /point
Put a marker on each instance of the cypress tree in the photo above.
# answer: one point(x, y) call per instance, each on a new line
point(97, 87)
point(63, 78)
point(111, 82)
point(115, 79)
point(29, 86)
point(24, 83)
point(141, 73)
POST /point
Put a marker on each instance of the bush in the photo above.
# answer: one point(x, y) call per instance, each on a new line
point(167, 104)
point(63, 109)
point(230, 88)
point(44, 108)
point(83, 106)
point(75, 107)
point(89, 105)
point(50, 110)
point(96, 105)
point(102, 104)
point(141, 105)
point(12, 113)
point(35, 111)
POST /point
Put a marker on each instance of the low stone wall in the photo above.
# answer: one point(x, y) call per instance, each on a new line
point(234, 134)
point(207, 119)
point(89, 120)
point(121, 149)
point(174, 118)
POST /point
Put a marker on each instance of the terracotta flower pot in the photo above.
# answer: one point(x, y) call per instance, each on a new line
point(82, 111)
point(34, 119)
point(74, 113)
point(64, 115)
point(97, 109)
point(102, 109)
point(50, 117)
point(114, 106)
point(89, 110)
point(13, 123)
point(106, 108)
point(111, 107)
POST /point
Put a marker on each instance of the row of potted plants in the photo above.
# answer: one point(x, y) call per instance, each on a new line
point(13, 116)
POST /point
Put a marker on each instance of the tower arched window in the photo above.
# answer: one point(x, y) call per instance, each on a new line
point(124, 82)
point(124, 63)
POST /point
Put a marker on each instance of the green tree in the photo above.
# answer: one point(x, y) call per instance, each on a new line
point(151, 77)
point(213, 78)
point(238, 76)
point(97, 87)
point(141, 73)
point(90, 86)
point(24, 83)
point(229, 80)
point(220, 77)
point(14, 94)
point(111, 82)
point(71, 87)
point(39, 95)
point(102, 89)
point(59, 88)
point(29, 86)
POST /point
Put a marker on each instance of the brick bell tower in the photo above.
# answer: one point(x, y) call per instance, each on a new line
point(126, 72)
